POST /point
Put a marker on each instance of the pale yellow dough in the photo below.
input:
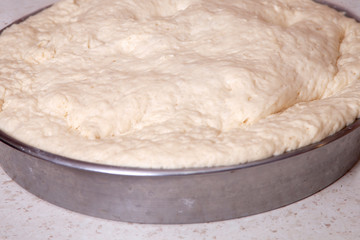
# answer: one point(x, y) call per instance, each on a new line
point(179, 84)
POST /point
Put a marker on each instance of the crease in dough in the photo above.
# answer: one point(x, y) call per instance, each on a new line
point(174, 84)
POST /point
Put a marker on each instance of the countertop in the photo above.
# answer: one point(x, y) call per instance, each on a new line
point(333, 213)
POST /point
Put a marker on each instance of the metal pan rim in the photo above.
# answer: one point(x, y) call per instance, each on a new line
point(133, 171)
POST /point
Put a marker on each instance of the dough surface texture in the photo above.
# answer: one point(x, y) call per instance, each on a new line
point(179, 84)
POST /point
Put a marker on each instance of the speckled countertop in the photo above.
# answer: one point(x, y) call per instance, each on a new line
point(333, 213)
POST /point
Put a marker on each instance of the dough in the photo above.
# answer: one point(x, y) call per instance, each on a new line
point(179, 84)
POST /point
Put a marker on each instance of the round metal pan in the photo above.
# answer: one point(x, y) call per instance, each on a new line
point(183, 195)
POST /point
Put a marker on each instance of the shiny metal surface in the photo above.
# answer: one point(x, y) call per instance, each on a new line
point(181, 196)
point(184, 195)
point(351, 8)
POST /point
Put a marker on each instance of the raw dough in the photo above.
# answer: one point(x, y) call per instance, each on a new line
point(179, 84)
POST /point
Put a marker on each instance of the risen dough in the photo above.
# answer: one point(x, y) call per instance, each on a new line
point(174, 84)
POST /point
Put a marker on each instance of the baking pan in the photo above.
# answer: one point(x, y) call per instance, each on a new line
point(184, 195)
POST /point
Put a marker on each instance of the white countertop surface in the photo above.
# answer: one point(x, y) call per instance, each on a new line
point(333, 213)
